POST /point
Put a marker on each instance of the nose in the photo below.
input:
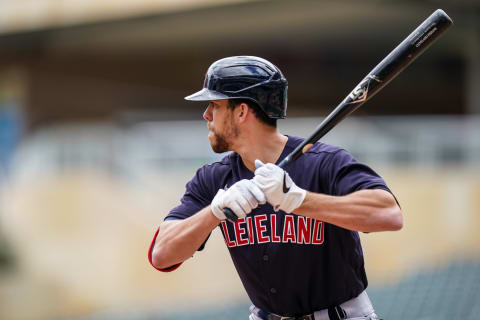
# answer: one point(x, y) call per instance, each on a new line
point(207, 115)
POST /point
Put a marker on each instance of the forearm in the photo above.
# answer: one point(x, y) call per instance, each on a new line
point(364, 210)
point(177, 240)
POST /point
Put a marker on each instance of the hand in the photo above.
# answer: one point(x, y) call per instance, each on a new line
point(281, 192)
point(241, 198)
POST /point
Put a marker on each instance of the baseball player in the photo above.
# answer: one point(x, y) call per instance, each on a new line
point(295, 244)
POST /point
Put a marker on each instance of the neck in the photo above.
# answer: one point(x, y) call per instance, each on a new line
point(265, 144)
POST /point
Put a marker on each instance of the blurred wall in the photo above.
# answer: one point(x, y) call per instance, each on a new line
point(144, 64)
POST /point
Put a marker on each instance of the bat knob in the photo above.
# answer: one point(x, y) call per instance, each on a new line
point(232, 217)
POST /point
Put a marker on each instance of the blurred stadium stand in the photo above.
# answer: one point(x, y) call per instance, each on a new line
point(442, 293)
point(447, 292)
point(151, 146)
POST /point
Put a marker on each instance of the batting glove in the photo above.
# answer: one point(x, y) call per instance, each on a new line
point(281, 192)
point(241, 198)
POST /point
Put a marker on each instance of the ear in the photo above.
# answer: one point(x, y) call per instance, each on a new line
point(242, 112)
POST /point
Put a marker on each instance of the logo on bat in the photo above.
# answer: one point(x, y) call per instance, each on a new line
point(425, 37)
point(360, 93)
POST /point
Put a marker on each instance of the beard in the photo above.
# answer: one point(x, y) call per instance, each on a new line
point(221, 141)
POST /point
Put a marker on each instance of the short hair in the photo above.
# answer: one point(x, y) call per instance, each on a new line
point(257, 111)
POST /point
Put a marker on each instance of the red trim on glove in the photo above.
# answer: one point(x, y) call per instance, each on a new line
point(169, 269)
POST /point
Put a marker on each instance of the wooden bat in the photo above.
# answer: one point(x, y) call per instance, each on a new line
point(384, 72)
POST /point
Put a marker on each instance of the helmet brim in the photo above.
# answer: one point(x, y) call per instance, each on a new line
point(206, 95)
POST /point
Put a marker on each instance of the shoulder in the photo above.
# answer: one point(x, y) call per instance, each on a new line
point(224, 164)
point(326, 150)
point(325, 159)
point(319, 150)
point(209, 178)
point(331, 159)
point(215, 170)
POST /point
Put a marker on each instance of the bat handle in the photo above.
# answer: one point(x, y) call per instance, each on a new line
point(232, 217)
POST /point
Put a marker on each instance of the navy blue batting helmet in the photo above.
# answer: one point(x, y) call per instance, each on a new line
point(246, 77)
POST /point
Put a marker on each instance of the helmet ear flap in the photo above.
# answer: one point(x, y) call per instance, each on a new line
point(246, 77)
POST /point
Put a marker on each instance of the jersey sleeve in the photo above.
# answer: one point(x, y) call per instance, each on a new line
point(199, 193)
point(347, 175)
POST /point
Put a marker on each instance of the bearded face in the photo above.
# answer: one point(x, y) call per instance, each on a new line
point(221, 138)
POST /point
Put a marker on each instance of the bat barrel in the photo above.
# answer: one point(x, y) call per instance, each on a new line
point(384, 72)
point(408, 50)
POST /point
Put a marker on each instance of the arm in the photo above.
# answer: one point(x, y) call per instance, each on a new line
point(177, 240)
point(363, 210)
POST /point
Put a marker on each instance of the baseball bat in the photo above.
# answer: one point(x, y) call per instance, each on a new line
point(384, 72)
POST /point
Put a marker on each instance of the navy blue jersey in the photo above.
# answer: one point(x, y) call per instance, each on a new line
point(290, 265)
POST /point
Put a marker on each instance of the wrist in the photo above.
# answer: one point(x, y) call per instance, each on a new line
point(216, 205)
point(294, 198)
point(214, 212)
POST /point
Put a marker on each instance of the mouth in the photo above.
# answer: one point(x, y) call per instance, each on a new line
point(210, 131)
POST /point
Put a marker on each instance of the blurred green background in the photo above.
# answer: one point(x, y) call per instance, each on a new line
point(97, 143)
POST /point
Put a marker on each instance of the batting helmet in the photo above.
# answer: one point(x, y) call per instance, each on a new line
point(246, 77)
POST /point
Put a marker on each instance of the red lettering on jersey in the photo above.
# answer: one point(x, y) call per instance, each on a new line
point(250, 230)
point(261, 228)
point(227, 237)
point(318, 232)
point(273, 223)
point(239, 231)
point(289, 230)
point(304, 229)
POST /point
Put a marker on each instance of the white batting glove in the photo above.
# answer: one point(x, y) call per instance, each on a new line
point(242, 197)
point(281, 192)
